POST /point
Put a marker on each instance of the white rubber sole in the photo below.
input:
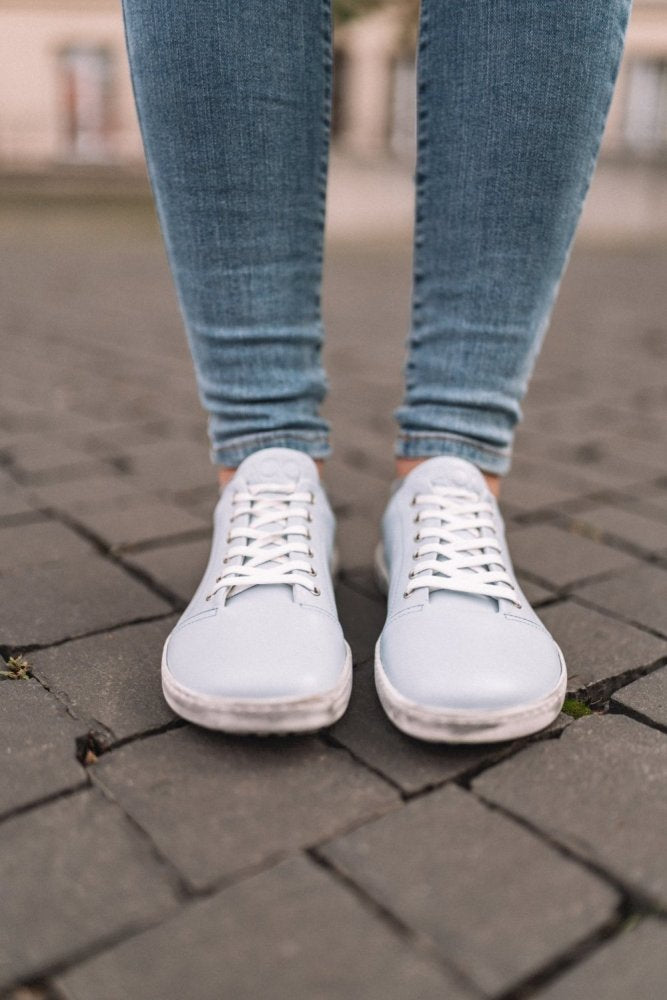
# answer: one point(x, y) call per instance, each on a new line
point(462, 725)
point(259, 717)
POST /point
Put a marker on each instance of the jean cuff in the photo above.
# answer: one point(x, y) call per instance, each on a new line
point(427, 444)
point(233, 452)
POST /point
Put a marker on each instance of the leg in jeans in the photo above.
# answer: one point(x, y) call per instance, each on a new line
point(512, 96)
point(234, 101)
point(512, 101)
point(234, 105)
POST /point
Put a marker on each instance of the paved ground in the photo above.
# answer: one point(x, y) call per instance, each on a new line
point(141, 858)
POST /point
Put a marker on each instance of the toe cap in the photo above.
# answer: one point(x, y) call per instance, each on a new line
point(473, 662)
point(222, 654)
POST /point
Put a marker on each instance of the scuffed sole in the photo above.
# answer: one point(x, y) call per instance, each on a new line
point(462, 726)
point(257, 717)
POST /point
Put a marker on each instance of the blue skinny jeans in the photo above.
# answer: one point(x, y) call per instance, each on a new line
point(234, 105)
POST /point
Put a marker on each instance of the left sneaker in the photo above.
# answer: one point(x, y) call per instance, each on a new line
point(462, 658)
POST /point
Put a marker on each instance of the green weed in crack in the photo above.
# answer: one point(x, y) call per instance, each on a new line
point(18, 668)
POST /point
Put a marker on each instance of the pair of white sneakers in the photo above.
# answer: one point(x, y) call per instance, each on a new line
point(462, 657)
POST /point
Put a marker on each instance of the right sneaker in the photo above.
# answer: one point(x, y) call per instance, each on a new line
point(259, 649)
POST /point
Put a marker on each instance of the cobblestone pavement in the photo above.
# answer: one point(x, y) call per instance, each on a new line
point(142, 858)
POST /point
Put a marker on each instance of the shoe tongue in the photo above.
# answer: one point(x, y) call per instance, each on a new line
point(278, 465)
point(447, 470)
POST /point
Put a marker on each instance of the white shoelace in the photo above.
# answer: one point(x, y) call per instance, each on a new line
point(454, 552)
point(275, 534)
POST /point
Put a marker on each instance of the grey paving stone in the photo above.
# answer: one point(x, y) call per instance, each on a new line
point(74, 873)
point(598, 650)
point(200, 501)
point(646, 696)
point(362, 619)
point(639, 595)
point(141, 519)
point(216, 805)
point(54, 601)
point(40, 542)
point(38, 457)
point(38, 745)
point(111, 680)
point(651, 503)
point(178, 567)
point(99, 491)
point(411, 764)
point(170, 466)
point(559, 557)
point(601, 790)
point(611, 461)
point(631, 965)
point(13, 500)
point(358, 500)
point(291, 933)
point(535, 593)
point(532, 485)
point(498, 902)
point(628, 525)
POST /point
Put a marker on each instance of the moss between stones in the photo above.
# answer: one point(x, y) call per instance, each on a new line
point(575, 709)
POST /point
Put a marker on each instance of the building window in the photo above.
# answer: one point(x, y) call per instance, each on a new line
point(85, 86)
point(645, 117)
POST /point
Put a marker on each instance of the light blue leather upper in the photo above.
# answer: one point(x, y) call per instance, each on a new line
point(444, 649)
point(268, 641)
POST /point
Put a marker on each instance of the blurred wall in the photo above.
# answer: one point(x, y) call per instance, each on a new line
point(66, 93)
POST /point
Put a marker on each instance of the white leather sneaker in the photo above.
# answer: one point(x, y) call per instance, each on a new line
point(462, 658)
point(259, 649)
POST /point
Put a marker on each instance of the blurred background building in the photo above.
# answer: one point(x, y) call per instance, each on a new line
point(67, 116)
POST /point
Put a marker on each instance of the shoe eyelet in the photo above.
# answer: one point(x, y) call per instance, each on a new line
point(208, 597)
point(313, 572)
point(415, 555)
point(312, 497)
point(317, 592)
point(405, 594)
point(310, 553)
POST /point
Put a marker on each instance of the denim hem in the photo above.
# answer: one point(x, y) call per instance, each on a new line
point(233, 453)
point(429, 444)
